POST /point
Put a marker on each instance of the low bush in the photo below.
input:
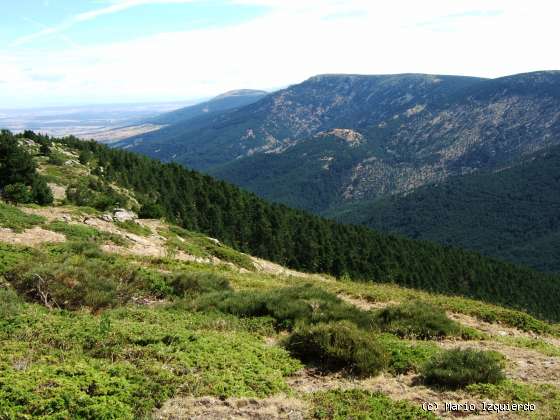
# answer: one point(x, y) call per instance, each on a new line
point(151, 211)
point(133, 227)
point(10, 303)
point(86, 248)
point(360, 404)
point(75, 232)
point(406, 356)
point(196, 283)
point(201, 245)
point(228, 254)
point(56, 159)
point(458, 368)
point(13, 218)
point(287, 306)
point(129, 361)
point(417, 320)
point(17, 193)
point(79, 281)
point(13, 255)
point(338, 345)
point(94, 193)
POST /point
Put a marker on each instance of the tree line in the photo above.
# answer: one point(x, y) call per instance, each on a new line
point(19, 180)
point(306, 242)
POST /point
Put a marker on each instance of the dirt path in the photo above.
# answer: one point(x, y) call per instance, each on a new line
point(30, 237)
point(212, 408)
point(498, 330)
point(269, 267)
point(364, 304)
point(51, 213)
point(402, 387)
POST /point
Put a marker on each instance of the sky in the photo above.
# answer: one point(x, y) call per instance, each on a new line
point(73, 52)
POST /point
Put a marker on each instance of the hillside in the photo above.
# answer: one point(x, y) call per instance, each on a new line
point(355, 138)
point(512, 214)
point(299, 240)
point(107, 315)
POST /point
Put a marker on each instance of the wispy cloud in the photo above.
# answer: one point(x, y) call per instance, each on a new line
point(61, 36)
point(290, 41)
point(114, 7)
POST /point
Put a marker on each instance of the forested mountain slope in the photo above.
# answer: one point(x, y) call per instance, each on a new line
point(357, 138)
point(302, 241)
point(512, 214)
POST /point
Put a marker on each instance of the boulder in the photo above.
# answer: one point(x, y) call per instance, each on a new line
point(107, 217)
point(123, 215)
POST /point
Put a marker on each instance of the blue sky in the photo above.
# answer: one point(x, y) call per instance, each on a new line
point(68, 52)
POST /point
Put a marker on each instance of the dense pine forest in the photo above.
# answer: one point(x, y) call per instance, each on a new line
point(310, 243)
point(512, 214)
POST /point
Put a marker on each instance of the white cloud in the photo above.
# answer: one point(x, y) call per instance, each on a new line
point(296, 40)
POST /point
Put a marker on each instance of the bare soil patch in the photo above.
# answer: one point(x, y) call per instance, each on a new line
point(269, 267)
point(401, 387)
point(365, 304)
point(58, 191)
point(50, 213)
point(212, 408)
point(30, 237)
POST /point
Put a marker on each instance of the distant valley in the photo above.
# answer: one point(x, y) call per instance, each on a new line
point(104, 123)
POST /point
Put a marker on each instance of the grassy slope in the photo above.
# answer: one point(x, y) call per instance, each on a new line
point(126, 359)
point(312, 244)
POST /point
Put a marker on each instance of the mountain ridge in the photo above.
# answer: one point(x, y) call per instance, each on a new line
point(223, 102)
point(417, 129)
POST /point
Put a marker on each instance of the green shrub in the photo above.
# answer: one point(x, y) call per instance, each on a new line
point(12, 255)
point(287, 305)
point(81, 233)
point(56, 159)
point(86, 248)
point(201, 243)
point(15, 219)
point(130, 360)
point(133, 227)
point(406, 356)
point(417, 320)
point(151, 211)
point(360, 404)
point(196, 283)
point(458, 368)
point(338, 345)
point(41, 192)
point(78, 281)
point(96, 194)
point(17, 193)
point(228, 254)
point(44, 148)
point(10, 304)
point(85, 156)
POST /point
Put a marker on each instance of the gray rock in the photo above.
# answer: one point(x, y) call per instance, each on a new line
point(107, 217)
point(123, 215)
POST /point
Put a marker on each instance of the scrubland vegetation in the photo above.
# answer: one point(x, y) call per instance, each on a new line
point(90, 329)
